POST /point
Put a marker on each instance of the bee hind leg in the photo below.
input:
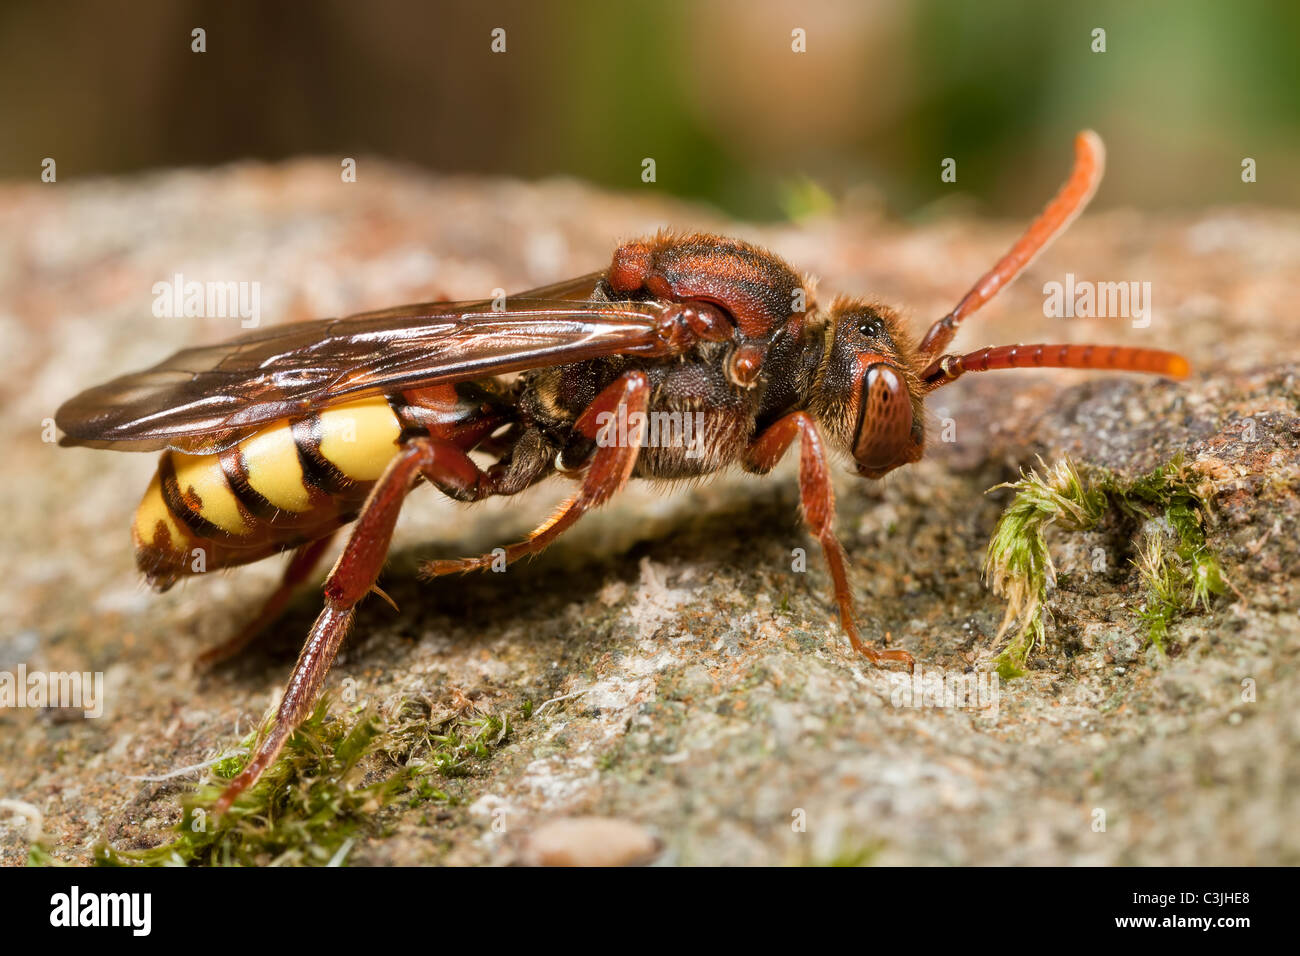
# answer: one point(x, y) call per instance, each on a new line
point(352, 578)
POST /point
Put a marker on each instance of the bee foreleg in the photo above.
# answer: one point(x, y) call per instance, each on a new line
point(609, 469)
point(353, 576)
point(818, 500)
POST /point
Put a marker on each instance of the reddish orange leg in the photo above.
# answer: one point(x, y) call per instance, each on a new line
point(300, 567)
point(818, 499)
point(352, 578)
point(609, 470)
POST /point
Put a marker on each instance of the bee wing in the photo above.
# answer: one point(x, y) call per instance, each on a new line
point(204, 399)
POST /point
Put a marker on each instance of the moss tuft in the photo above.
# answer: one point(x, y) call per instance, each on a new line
point(313, 804)
point(1177, 568)
point(1019, 566)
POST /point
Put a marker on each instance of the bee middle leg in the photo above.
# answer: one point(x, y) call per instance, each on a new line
point(608, 471)
point(818, 500)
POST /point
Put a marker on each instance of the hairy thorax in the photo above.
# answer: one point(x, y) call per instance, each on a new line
point(698, 421)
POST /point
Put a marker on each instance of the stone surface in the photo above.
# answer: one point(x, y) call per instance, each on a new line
point(707, 694)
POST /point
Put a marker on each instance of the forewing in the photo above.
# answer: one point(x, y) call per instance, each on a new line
point(207, 398)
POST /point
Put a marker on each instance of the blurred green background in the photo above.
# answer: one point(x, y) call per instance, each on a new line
point(711, 90)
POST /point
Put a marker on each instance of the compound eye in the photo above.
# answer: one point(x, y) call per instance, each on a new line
point(887, 436)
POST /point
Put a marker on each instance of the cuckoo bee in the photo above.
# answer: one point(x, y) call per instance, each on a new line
point(277, 439)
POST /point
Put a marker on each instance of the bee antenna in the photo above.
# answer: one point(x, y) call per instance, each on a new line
point(1113, 358)
point(1089, 165)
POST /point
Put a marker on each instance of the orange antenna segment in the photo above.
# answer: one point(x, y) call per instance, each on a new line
point(1089, 164)
point(1114, 358)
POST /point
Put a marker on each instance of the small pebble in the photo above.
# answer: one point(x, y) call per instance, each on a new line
point(590, 841)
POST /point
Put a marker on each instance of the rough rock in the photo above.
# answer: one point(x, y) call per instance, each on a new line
point(701, 688)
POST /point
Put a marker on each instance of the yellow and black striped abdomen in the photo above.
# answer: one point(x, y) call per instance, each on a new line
point(286, 484)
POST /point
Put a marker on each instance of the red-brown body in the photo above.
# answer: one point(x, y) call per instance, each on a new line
point(573, 378)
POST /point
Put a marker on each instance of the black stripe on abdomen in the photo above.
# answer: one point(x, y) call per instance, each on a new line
point(181, 510)
point(317, 470)
point(235, 469)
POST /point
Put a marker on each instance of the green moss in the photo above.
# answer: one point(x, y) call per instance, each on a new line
point(1019, 566)
point(306, 809)
point(38, 855)
point(1191, 576)
point(852, 854)
point(313, 804)
point(1178, 569)
point(1162, 577)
